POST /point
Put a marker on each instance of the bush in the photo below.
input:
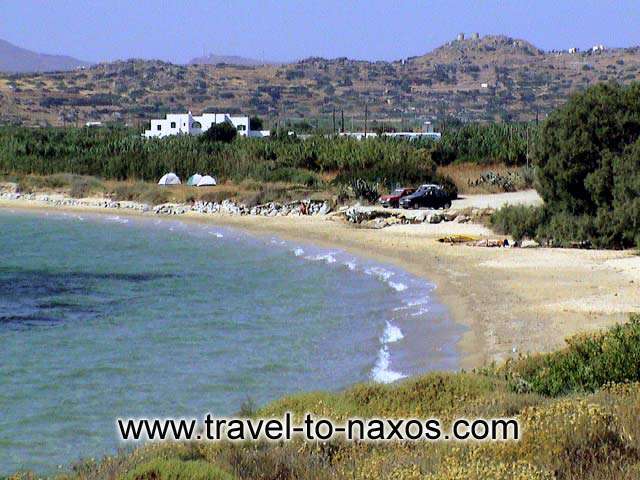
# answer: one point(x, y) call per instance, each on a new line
point(449, 186)
point(142, 192)
point(518, 221)
point(588, 363)
point(365, 190)
point(176, 469)
point(220, 132)
point(83, 186)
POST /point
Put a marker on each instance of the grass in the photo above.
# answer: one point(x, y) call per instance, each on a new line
point(579, 413)
point(464, 173)
point(248, 192)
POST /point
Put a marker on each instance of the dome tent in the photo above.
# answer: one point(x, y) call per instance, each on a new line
point(206, 181)
point(169, 179)
point(194, 179)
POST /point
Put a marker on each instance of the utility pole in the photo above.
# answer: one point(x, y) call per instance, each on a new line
point(334, 120)
point(366, 111)
point(342, 127)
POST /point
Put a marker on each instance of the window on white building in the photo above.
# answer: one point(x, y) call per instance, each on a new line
point(196, 125)
point(173, 124)
point(242, 128)
point(159, 127)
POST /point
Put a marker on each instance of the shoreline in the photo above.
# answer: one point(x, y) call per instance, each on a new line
point(512, 301)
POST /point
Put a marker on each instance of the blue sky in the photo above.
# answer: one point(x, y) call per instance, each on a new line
point(282, 30)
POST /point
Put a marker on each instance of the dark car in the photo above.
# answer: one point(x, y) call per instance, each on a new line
point(393, 199)
point(427, 196)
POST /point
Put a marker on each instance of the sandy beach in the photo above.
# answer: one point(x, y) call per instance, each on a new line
point(513, 301)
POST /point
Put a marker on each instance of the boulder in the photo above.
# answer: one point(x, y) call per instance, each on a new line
point(324, 209)
point(434, 218)
point(529, 244)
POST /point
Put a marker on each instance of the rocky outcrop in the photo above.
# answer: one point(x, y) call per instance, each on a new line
point(271, 209)
point(377, 217)
point(226, 207)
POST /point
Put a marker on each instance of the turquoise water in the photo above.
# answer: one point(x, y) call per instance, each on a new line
point(104, 317)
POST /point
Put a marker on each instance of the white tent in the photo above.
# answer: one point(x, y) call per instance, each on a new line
point(206, 181)
point(194, 179)
point(169, 179)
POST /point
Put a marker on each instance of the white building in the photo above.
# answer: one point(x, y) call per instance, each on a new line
point(188, 124)
point(427, 132)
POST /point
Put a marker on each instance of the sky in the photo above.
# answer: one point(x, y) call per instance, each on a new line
point(285, 30)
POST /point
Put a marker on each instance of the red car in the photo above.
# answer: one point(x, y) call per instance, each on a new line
point(393, 199)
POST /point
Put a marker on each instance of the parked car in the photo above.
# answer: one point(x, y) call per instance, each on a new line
point(393, 199)
point(429, 196)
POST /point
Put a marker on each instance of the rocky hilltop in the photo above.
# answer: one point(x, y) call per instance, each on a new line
point(475, 79)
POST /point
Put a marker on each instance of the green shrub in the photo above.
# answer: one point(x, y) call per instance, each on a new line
point(365, 190)
point(82, 186)
point(142, 192)
point(220, 132)
point(507, 143)
point(175, 469)
point(519, 221)
point(448, 185)
point(121, 154)
point(588, 363)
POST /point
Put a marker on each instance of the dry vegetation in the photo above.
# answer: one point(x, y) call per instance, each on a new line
point(465, 174)
point(80, 186)
point(519, 80)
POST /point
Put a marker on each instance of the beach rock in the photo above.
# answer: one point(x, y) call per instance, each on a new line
point(434, 218)
point(449, 215)
point(324, 209)
point(529, 244)
point(9, 187)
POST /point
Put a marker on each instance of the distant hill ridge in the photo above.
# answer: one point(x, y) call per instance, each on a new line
point(213, 59)
point(488, 78)
point(14, 59)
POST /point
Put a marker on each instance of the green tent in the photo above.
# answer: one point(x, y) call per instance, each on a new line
point(194, 179)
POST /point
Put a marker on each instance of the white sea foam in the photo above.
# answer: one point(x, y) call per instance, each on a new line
point(379, 272)
point(351, 265)
point(327, 257)
point(298, 252)
point(381, 372)
point(117, 219)
point(217, 234)
point(391, 334)
point(397, 286)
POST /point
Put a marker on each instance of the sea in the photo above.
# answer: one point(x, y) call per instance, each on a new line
point(105, 316)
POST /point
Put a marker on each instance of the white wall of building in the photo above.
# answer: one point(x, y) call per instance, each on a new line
point(186, 123)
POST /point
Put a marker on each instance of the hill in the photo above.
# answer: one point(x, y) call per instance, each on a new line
point(14, 59)
point(478, 79)
point(213, 59)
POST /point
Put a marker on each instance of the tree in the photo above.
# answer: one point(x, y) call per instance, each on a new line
point(255, 123)
point(588, 168)
point(221, 132)
point(578, 144)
